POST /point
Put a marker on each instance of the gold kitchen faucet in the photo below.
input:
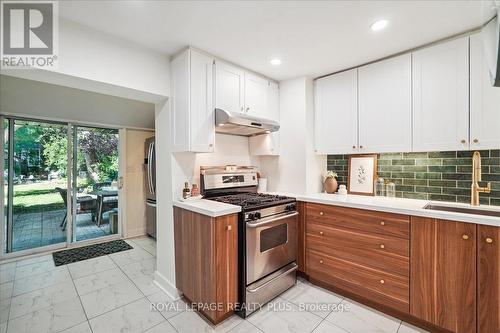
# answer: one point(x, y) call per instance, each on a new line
point(476, 177)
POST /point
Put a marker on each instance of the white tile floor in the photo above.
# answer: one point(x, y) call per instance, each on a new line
point(114, 293)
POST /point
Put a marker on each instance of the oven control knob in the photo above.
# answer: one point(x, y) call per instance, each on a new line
point(250, 216)
point(257, 215)
point(292, 207)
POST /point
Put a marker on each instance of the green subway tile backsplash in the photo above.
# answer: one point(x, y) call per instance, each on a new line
point(441, 176)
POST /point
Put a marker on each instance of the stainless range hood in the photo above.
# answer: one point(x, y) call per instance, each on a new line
point(242, 124)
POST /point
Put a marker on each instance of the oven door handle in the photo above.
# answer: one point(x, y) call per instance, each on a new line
point(271, 219)
point(294, 268)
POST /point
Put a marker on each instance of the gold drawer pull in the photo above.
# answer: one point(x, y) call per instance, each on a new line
point(382, 281)
point(321, 213)
point(382, 246)
point(229, 228)
point(382, 223)
point(464, 236)
point(489, 240)
point(321, 261)
point(321, 233)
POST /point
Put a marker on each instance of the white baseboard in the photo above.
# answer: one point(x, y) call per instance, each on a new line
point(168, 287)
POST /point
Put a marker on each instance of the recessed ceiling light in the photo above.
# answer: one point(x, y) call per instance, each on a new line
point(379, 25)
point(275, 62)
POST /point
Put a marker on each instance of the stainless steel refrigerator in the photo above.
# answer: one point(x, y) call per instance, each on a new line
point(150, 181)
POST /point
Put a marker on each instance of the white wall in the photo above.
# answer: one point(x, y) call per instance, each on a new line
point(93, 55)
point(48, 101)
point(229, 149)
point(165, 263)
point(92, 60)
point(297, 169)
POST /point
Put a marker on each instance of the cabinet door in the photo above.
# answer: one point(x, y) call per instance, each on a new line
point(441, 97)
point(488, 275)
point(484, 101)
point(179, 116)
point(201, 103)
point(336, 113)
point(268, 144)
point(385, 105)
point(256, 95)
point(226, 264)
point(443, 273)
point(229, 88)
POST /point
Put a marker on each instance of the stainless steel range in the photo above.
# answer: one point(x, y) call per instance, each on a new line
point(267, 234)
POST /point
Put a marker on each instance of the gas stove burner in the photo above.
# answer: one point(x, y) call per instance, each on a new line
point(253, 200)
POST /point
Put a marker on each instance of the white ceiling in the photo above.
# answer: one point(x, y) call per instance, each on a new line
point(311, 38)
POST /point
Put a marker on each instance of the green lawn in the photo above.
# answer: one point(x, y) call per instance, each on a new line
point(38, 197)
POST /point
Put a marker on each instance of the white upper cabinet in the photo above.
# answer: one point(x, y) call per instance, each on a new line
point(268, 144)
point(336, 113)
point(441, 97)
point(192, 103)
point(256, 95)
point(230, 83)
point(484, 101)
point(202, 106)
point(384, 97)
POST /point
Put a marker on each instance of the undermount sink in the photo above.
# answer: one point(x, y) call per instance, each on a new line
point(465, 210)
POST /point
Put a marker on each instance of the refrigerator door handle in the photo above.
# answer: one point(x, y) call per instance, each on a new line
point(150, 150)
point(153, 166)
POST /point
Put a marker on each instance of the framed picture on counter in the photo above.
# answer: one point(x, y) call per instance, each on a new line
point(362, 174)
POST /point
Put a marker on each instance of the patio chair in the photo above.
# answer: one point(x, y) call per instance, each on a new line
point(108, 204)
point(85, 204)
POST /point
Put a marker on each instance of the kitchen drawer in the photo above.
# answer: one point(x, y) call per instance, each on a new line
point(381, 287)
point(343, 237)
point(354, 252)
point(359, 219)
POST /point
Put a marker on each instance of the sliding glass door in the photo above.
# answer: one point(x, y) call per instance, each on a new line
point(95, 182)
point(48, 202)
point(36, 206)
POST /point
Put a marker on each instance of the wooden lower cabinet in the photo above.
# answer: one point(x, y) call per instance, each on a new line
point(206, 261)
point(361, 252)
point(443, 273)
point(438, 274)
point(488, 279)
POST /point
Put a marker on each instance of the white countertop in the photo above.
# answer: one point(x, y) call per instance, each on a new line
point(402, 206)
point(207, 207)
point(382, 204)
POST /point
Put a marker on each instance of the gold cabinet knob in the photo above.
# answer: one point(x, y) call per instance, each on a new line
point(321, 233)
point(382, 246)
point(382, 281)
point(463, 141)
point(321, 213)
point(489, 240)
point(464, 236)
point(229, 228)
point(321, 261)
point(382, 223)
point(475, 140)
